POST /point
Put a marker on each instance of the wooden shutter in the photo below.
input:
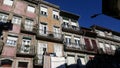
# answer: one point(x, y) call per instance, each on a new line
point(87, 44)
point(94, 44)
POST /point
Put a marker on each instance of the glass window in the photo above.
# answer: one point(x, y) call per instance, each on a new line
point(28, 25)
point(56, 32)
point(16, 20)
point(22, 64)
point(77, 41)
point(11, 41)
point(43, 11)
point(31, 9)
point(8, 2)
point(55, 14)
point(3, 17)
point(101, 45)
point(58, 50)
point(43, 28)
point(101, 33)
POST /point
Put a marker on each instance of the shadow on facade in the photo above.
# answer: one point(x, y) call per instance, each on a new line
point(99, 61)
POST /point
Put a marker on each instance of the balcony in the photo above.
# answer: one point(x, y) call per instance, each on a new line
point(71, 29)
point(28, 29)
point(1, 46)
point(49, 36)
point(78, 48)
point(74, 47)
point(25, 51)
point(38, 60)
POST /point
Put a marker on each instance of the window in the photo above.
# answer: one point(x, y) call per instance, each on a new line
point(113, 47)
point(31, 9)
point(58, 50)
point(87, 44)
point(101, 33)
point(81, 60)
point(73, 22)
point(8, 2)
point(71, 60)
point(43, 29)
point(22, 64)
point(77, 41)
point(102, 46)
point(68, 39)
point(66, 23)
point(25, 48)
point(56, 15)
point(16, 20)
point(107, 47)
point(56, 32)
point(28, 25)
point(40, 51)
point(11, 40)
point(3, 17)
point(94, 44)
point(43, 11)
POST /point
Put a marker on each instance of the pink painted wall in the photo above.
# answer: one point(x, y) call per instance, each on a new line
point(9, 51)
point(31, 15)
point(4, 7)
point(16, 28)
point(20, 8)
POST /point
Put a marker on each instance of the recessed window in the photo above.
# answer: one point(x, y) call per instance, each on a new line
point(22, 64)
point(11, 40)
point(31, 9)
point(16, 20)
point(25, 48)
point(43, 11)
point(56, 15)
point(3, 17)
point(8, 2)
point(28, 25)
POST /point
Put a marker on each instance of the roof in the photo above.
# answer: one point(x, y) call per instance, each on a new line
point(69, 14)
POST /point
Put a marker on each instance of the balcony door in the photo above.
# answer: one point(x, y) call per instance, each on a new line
point(43, 29)
point(25, 48)
point(56, 31)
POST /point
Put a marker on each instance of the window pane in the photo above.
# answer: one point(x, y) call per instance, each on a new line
point(8, 2)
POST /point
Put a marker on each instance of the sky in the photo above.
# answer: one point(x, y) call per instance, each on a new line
point(85, 9)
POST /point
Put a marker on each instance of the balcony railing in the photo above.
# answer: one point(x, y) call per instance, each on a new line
point(74, 46)
point(26, 50)
point(31, 29)
point(70, 28)
point(1, 46)
point(110, 37)
point(50, 36)
point(38, 60)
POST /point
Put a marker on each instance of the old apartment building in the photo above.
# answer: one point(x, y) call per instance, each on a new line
point(43, 36)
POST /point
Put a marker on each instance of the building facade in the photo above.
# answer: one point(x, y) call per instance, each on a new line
point(43, 36)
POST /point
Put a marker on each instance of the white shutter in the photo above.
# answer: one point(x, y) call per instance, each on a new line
point(43, 9)
point(82, 60)
point(70, 60)
point(56, 13)
point(31, 9)
point(102, 46)
point(8, 2)
point(113, 47)
point(12, 38)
